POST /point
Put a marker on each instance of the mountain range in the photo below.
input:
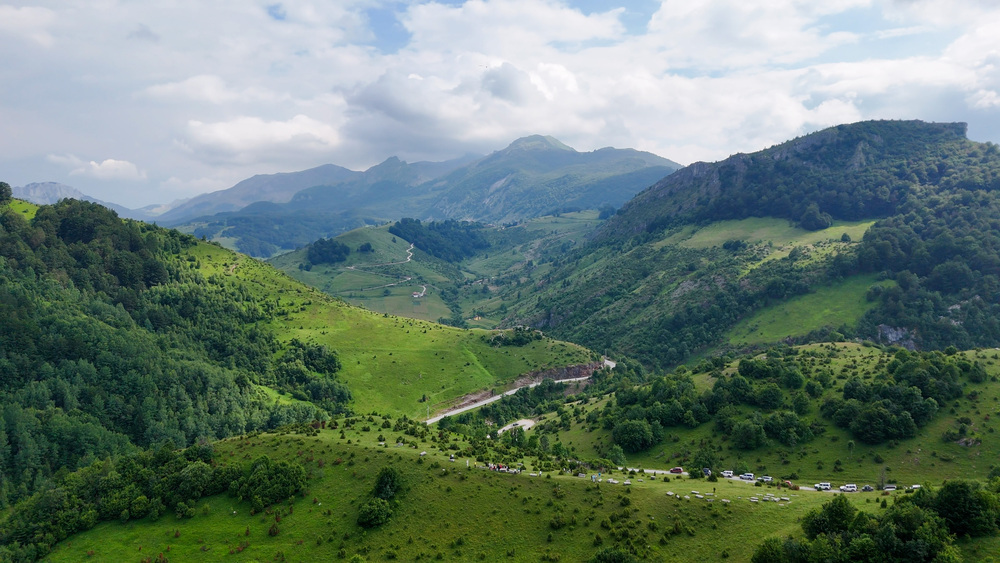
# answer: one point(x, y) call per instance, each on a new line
point(533, 176)
point(270, 213)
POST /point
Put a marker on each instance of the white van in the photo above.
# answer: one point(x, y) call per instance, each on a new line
point(849, 488)
point(747, 476)
point(727, 474)
point(889, 488)
point(822, 486)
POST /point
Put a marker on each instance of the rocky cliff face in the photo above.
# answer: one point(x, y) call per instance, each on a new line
point(558, 374)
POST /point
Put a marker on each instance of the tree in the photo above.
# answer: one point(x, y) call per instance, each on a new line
point(813, 219)
point(748, 435)
point(833, 518)
point(967, 508)
point(388, 482)
point(5, 192)
point(374, 513)
point(769, 396)
point(633, 435)
point(616, 455)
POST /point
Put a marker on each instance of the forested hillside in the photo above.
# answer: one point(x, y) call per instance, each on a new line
point(117, 335)
point(662, 282)
point(110, 338)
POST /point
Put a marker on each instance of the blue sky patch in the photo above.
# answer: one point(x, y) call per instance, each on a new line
point(277, 12)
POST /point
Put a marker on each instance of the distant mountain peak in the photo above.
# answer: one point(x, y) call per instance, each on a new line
point(539, 142)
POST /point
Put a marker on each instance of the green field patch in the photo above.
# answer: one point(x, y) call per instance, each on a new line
point(831, 306)
point(23, 208)
point(446, 510)
point(779, 232)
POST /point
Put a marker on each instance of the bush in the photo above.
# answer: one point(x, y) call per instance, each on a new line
point(387, 483)
point(374, 513)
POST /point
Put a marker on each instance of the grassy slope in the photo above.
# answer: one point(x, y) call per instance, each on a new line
point(838, 304)
point(461, 514)
point(25, 208)
point(388, 362)
point(364, 277)
point(778, 232)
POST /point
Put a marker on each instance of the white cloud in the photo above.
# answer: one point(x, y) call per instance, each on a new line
point(204, 94)
point(207, 88)
point(247, 139)
point(107, 169)
point(28, 21)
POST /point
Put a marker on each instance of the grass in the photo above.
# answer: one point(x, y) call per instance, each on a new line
point(779, 232)
point(24, 208)
point(451, 512)
point(446, 511)
point(835, 305)
point(390, 363)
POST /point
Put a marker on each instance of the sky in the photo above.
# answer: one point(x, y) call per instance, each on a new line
point(140, 103)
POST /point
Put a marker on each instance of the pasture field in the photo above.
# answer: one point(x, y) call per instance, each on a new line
point(391, 364)
point(832, 306)
point(448, 511)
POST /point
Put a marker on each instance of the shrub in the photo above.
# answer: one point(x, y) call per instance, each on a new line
point(374, 513)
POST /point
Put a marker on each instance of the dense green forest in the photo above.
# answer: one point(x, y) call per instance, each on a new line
point(450, 241)
point(143, 485)
point(111, 339)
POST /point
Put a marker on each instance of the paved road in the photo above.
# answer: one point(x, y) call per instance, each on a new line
point(494, 398)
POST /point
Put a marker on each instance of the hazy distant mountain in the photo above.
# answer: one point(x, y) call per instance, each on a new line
point(537, 175)
point(533, 176)
point(45, 193)
point(275, 188)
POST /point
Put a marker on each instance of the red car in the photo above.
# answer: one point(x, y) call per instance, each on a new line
point(677, 470)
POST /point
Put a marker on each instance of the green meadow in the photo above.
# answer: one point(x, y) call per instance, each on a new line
point(838, 304)
point(391, 364)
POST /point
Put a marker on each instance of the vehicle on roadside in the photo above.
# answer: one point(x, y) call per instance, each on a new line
point(788, 483)
point(747, 476)
point(727, 474)
point(706, 472)
point(822, 486)
point(849, 488)
point(766, 478)
point(677, 470)
point(889, 488)
point(867, 488)
point(914, 487)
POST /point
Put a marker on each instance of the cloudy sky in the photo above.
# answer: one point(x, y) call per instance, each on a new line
point(148, 102)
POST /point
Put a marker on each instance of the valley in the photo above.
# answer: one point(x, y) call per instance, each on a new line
point(801, 312)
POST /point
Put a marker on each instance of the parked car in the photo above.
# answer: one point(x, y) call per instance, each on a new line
point(706, 472)
point(788, 483)
point(677, 470)
point(867, 488)
point(914, 487)
point(727, 474)
point(747, 476)
point(849, 488)
point(822, 486)
point(889, 488)
point(766, 478)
